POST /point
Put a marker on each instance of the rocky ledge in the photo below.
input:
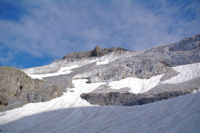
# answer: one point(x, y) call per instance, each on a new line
point(128, 99)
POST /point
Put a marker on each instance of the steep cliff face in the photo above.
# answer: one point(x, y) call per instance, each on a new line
point(18, 88)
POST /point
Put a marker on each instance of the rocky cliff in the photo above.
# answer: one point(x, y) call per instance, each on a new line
point(16, 88)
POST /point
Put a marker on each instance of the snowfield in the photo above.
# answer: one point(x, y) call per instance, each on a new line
point(174, 115)
point(186, 73)
point(136, 85)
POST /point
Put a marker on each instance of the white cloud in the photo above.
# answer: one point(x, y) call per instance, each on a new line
point(58, 27)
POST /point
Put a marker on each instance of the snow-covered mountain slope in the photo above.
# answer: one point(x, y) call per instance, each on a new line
point(116, 77)
point(138, 85)
point(62, 67)
point(174, 115)
point(15, 119)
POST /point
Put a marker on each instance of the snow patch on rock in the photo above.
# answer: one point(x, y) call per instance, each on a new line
point(186, 73)
point(107, 59)
point(61, 71)
point(136, 85)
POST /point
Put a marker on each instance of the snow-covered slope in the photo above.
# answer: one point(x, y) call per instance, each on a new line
point(62, 67)
point(136, 85)
point(175, 115)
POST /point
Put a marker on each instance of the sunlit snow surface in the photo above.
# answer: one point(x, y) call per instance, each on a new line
point(176, 115)
point(186, 73)
point(136, 85)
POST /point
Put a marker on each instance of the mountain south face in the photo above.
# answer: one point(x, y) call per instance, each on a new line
point(86, 82)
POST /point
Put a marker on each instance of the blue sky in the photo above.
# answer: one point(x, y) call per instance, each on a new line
point(35, 32)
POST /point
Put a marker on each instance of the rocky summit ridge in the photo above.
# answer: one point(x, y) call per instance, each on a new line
point(96, 52)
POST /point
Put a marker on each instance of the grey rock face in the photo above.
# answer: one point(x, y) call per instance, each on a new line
point(131, 67)
point(128, 99)
point(17, 88)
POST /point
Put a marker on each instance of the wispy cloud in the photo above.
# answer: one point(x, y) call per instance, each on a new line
point(54, 28)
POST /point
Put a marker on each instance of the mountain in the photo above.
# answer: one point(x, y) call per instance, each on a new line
point(108, 90)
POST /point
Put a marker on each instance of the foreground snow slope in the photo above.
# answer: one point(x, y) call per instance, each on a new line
point(181, 114)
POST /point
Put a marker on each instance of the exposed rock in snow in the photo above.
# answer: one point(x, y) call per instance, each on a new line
point(128, 99)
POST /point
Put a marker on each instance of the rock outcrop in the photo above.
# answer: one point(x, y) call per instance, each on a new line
point(128, 99)
point(16, 88)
